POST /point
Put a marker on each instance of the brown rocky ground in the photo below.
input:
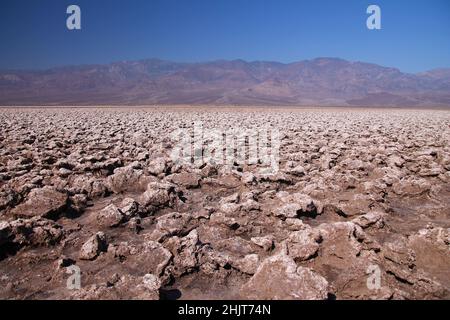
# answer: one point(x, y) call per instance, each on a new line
point(357, 190)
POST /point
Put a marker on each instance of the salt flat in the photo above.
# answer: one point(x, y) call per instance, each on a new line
point(170, 202)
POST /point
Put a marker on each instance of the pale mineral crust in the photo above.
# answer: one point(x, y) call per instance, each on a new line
point(358, 193)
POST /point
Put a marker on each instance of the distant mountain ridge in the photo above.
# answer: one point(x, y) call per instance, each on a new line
point(321, 81)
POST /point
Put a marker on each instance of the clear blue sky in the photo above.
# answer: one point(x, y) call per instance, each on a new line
point(415, 34)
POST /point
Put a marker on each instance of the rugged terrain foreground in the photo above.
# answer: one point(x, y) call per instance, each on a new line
point(359, 208)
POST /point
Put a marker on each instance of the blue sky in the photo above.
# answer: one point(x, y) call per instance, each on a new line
point(415, 34)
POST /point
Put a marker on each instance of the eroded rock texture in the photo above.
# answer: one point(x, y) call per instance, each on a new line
point(358, 193)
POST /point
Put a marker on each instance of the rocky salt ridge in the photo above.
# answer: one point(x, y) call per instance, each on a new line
point(96, 188)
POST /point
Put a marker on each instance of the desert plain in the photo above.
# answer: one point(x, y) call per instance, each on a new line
point(358, 208)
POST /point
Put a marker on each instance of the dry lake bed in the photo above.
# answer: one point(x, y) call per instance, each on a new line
point(224, 203)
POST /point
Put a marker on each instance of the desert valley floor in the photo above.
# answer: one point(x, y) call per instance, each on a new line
point(358, 209)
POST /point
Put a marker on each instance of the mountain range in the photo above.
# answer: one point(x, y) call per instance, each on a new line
point(321, 81)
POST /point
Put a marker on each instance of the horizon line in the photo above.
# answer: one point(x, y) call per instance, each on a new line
point(62, 66)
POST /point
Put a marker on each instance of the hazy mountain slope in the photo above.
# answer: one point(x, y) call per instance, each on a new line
point(324, 81)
